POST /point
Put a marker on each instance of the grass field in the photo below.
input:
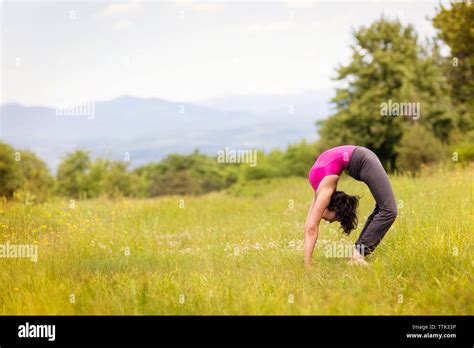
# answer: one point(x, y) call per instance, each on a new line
point(240, 252)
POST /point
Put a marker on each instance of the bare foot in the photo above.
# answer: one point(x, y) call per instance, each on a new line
point(357, 259)
point(358, 262)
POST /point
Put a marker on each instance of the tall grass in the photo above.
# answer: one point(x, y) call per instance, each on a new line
point(240, 252)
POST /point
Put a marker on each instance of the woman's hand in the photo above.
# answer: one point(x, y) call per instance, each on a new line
point(310, 238)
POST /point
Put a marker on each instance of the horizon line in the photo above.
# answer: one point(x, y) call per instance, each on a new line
point(196, 102)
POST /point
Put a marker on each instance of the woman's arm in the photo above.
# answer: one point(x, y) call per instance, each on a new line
point(310, 209)
point(319, 205)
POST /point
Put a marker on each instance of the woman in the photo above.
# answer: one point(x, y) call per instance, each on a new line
point(331, 205)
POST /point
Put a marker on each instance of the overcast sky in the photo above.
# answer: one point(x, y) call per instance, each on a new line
point(66, 52)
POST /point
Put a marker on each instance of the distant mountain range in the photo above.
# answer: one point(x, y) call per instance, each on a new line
point(151, 128)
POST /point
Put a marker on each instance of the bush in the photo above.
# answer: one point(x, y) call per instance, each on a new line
point(417, 147)
point(299, 158)
point(23, 176)
point(36, 182)
point(269, 165)
point(186, 174)
point(9, 178)
point(73, 179)
point(463, 152)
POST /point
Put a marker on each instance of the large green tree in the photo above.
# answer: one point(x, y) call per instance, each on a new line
point(388, 65)
point(455, 26)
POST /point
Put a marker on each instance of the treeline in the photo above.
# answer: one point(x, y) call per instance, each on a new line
point(25, 177)
point(402, 99)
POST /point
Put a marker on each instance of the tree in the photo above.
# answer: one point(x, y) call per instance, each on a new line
point(269, 165)
point(9, 175)
point(299, 158)
point(72, 177)
point(456, 28)
point(388, 65)
point(185, 174)
point(418, 146)
point(118, 181)
point(94, 179)
point(23, 174)
point(34, 176)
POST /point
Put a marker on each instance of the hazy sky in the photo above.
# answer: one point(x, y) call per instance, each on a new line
point(66, 52)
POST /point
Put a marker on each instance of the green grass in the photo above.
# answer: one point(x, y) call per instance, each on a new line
point(240, 252)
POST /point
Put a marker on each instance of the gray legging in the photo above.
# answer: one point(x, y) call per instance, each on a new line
point(365, 166)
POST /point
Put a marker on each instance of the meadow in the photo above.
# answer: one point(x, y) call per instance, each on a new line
point(241, 252)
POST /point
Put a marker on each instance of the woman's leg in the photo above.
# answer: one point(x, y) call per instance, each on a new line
point(369, 220)
point(385, 211)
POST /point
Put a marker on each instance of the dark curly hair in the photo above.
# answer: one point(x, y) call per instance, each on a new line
point(345, 207)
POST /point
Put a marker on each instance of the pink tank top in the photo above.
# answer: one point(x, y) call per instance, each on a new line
point(330, 162)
